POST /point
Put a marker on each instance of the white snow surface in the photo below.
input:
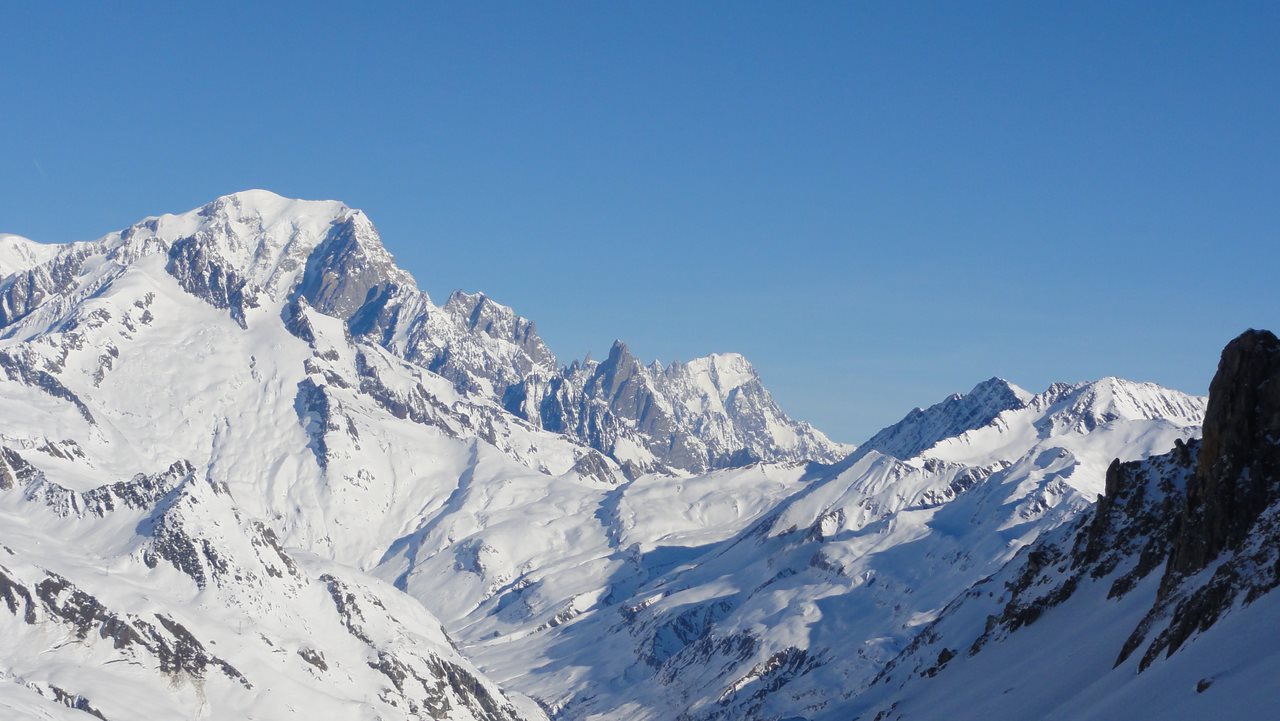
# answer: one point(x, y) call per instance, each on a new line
point(18, 253)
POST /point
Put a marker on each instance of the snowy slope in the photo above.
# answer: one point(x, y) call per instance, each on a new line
point(156, 598)
point(180, 344)
point(18, 253)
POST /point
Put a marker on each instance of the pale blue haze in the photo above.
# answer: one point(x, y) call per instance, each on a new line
point(878, 204)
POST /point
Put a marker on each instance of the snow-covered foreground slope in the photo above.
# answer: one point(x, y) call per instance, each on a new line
point(242, 440)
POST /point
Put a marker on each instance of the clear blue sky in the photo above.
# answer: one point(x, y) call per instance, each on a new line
point(877, 203)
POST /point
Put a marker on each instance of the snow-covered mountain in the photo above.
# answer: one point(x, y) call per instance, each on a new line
point(711, 412)
point(180, 536)
point(278, 398)
point(1157, 603)
point(249, 469)
point(255, 249)
point(710, 604)
point(19, 254)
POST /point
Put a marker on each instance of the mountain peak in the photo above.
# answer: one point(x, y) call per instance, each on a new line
point(256, 249)
point(18, 253)
point(461, 297)
point(266, 239)
point(996, 387)
point(481, 311)
point(619, 353)
point(269, 209)
point(479, 315)
point(722, 373)
point(922, 428)
point(1081, 407)
point(252, 196)
point(735, 362)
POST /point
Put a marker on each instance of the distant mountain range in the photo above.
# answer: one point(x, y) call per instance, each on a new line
point(249, 470)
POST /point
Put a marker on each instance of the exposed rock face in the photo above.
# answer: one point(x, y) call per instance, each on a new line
point(27, 368)
point(139, 493)
point(1231, 515)
point(15, 471)
point(20, 293)
point(480, 314)
point(481, 345)
point(1215, 500)
point(202, 272)
point(1129, 530)
point(1238, 474)
point(179, 653)
point(25, 290)
point(349, 268)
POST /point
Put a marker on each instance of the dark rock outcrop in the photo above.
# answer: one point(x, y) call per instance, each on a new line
point(1238, 474)
point(348, 269)
point(25, 368)
point(1231, 512)
point(174, 649)
point(142, 492)
point(201, 271)
point(23, 292)
point(15, 471)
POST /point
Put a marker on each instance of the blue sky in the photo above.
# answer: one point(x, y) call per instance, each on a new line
point(878, 203)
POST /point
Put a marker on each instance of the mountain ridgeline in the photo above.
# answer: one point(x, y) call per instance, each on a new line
point(249, 469)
